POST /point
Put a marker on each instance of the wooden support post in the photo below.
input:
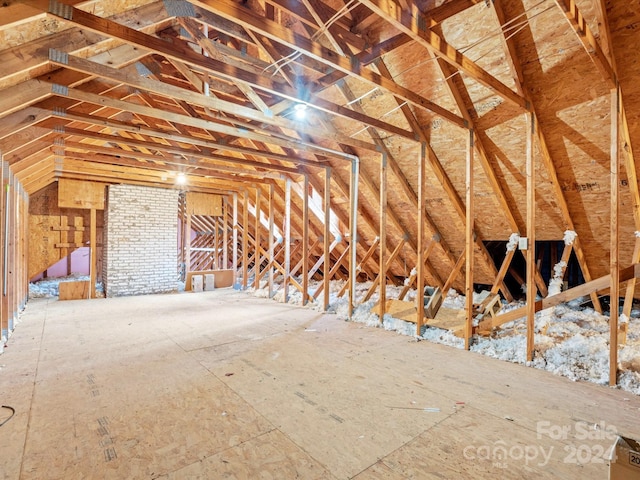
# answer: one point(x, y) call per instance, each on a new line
point(256, 237)
point(93, 254)
point(421, 239)
point(4, 326)
point(187, 243)
point(327, 233)
point(531, 236)
point(271, 245)
point(469, 242)
point(234, 254)
point(287, 240)
point(216, 243)
point(382, 268)
point(614, 290)
point(225, 235)
point(245, 240)
point(305, 240)
point(353, 231)
point(12, 247)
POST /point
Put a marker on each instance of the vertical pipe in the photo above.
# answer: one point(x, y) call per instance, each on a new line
point(216, 243)
point(187, 239)
point(382, 268)
point(245, 240)
point(305, 240)
point(421, 240)
point(287, 240)
point(234, 254)
point(469, 242)
point(614, 290)
point(271, 260)
point(353, 231)
point(258, 259)
point(531, 236)
point(327, 233)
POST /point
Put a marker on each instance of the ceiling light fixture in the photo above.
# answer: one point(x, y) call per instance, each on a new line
point(300, 111)
point(181, 179)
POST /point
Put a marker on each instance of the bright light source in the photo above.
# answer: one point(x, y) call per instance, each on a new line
point(181, 179)
point(300, 111)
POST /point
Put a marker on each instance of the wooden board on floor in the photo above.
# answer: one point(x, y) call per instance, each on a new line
point(400, 309)
point(73, 290)
point(447, 318)
point(223, 278)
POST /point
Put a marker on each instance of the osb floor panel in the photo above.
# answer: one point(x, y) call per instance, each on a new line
point(222, 385)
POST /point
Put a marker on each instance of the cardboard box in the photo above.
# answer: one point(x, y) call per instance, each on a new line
point(624, 460)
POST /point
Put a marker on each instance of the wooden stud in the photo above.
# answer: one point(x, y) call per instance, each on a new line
point(216, 243)
point(353, 233)
point(422, 164)
point(614, 266)
point(382, 264)
point(469, 242)
point(93, 265)
point(234, 241)
point(305, 240)
point(287, 240)
point(4, 324)
point(327, 233)
point(225, 234)
point(531, 237)
point(245, 240)
point(256, 238)
point(271, 234)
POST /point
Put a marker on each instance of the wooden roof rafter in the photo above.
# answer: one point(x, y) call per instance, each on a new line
point(181, 52)
point(315, 51)
point(413, 23)
point(204, 154)
point(551, 169)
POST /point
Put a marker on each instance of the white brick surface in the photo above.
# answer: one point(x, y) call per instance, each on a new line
point(141, 235)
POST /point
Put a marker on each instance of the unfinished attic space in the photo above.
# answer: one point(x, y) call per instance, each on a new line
point(320, 239)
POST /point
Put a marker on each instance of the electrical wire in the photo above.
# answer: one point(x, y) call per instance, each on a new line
point(293, 56)
point(13, 412)
point(518, 27)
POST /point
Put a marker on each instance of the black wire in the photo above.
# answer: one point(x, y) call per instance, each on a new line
point(13, 412)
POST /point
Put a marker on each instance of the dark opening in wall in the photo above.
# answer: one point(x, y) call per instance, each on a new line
point(548, 254)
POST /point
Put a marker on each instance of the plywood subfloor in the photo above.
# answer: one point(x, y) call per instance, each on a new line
point(225, 385)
